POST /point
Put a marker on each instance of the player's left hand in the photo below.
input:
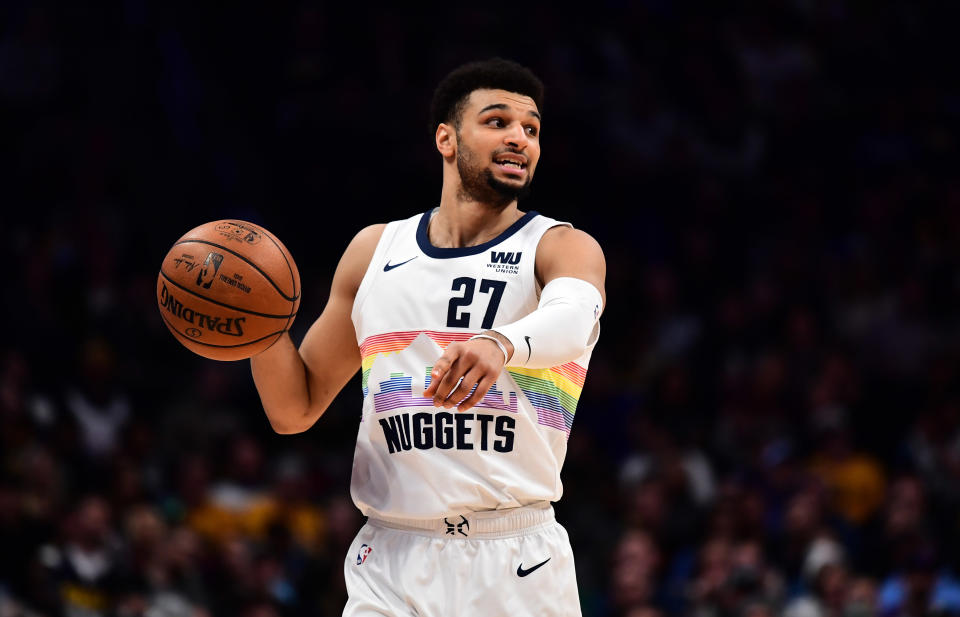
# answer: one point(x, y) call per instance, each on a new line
point(471, 363)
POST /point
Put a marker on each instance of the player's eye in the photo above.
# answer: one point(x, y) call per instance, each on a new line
point(496, 121)
point(532, 131)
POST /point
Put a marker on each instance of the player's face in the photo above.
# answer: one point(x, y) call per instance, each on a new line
point(498, 145)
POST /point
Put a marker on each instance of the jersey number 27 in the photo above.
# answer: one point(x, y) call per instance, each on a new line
point(467, 285)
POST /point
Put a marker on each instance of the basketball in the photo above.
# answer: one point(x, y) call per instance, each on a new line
point(228, 289)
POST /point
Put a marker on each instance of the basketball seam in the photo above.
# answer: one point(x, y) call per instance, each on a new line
point(283, 253)
point(252, 265)
point(193, 340)
point(229, 306)
point(293, 281)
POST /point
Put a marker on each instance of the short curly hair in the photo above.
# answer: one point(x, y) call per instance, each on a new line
point(450, 97)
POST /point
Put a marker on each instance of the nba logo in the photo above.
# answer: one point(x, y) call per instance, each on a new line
point(362, 555)
point(208, 271)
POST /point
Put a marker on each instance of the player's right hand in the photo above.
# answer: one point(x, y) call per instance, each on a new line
point(461, 367)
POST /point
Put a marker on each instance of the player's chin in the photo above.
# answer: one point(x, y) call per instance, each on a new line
point(512, 187)
point(520, 177)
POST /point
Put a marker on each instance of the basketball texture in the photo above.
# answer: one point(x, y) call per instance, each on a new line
point(228, 289)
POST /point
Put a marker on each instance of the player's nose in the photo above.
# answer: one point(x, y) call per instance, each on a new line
point(516, 137)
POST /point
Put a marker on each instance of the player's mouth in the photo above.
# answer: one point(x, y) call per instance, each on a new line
point(511, 164)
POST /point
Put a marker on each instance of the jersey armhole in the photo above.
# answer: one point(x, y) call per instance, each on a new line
point(537, 287)
point(373, 268)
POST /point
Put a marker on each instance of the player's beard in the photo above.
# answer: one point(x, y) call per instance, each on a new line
point(478, 184)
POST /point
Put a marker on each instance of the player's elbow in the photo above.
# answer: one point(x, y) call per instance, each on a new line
point(282, 428)
point(291, 423)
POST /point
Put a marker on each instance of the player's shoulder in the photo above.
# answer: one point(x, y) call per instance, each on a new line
point(358, 254)
point(366, 240)
point(369, 236)
point(373, 233)
point(565, 237)
point(567, 251)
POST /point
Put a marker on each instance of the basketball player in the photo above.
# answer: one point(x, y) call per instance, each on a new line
point(472, 324)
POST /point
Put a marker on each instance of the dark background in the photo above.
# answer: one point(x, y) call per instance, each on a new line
point(771, 422)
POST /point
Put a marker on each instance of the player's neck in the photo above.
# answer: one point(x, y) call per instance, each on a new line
point(460, 223)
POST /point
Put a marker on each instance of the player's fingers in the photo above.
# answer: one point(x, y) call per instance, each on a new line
point(482, 388)
point(440, 368)
point(446, 384)
point(466, 385)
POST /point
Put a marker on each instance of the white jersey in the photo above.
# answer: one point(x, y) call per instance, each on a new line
point(414, 460)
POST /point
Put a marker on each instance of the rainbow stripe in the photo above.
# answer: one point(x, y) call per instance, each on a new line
point(397, 392)
point(395, 342)
point(553, 392)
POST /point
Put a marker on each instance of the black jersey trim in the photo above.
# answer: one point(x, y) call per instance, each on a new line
point(445, 253)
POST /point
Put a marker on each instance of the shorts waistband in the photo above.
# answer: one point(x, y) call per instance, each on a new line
point(489, 523)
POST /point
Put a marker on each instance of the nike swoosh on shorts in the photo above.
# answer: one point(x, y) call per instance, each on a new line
point(522, 572)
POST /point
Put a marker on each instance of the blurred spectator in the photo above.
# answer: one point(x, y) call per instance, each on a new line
point(921, 587)
point(861, 598)
point(854, 480)
point(827, 596)
point(635, 573)
point(96, 401)
point(239, 503)
point(83, 574)
point(735, 578)
point(163, 575)
point(933, 448)
point(708, 593)
point(688, 469)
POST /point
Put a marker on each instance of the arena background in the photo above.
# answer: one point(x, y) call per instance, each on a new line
point(771, 422)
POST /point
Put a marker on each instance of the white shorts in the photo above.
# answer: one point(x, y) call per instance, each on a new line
point(507, 562)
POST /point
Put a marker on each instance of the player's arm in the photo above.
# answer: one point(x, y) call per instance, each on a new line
point(571, 270)
point(297, 386)
point(568, 252)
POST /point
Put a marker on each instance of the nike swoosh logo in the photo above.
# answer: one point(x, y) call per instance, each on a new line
point(529, 351)
point(522, 572)
point(387, 267)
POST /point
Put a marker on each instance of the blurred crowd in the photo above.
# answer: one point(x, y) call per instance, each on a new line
point(771, 421)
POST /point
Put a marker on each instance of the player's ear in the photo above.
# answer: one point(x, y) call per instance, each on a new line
point(446, 140)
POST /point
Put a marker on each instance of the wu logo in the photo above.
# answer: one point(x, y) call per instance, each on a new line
point(500, 257)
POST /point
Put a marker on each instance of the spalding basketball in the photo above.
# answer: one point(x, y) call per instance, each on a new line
point(228, 289)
